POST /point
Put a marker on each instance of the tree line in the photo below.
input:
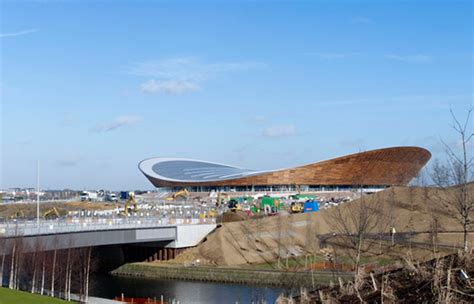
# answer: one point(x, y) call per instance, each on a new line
point(63, 273)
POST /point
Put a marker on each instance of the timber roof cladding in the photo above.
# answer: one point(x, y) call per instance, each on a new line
point(382, 167)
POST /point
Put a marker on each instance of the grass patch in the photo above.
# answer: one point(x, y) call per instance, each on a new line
point(8, 296)
point(293, 262)
point(299, 262)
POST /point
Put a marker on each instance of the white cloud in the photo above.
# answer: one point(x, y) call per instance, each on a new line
point(183, 74)
point(19, 33)
point(279, 130)
point(168, 86)
point(118, 122)
point(415, 58)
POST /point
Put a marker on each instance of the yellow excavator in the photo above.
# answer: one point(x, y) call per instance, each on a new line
point(212, 213)
point(296, 207)
point(184, 193)
point(51, 213)
point(130, 202)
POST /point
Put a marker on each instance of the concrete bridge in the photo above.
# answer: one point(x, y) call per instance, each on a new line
point(84, 232)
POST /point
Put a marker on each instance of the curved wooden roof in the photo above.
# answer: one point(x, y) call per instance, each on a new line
point(382, 167)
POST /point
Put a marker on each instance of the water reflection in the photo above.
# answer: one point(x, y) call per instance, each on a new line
point(108, 286)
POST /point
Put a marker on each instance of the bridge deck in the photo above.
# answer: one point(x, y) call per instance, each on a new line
point(83, 232)
point(68, 225)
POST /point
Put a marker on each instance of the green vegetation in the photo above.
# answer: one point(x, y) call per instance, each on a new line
point(293, 262)
point(231, 275)
point(300, 261)
point(8, 296)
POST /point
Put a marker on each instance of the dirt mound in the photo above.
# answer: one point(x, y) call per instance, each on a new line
point(260, 240)
point(233, 217)
point(29, 209)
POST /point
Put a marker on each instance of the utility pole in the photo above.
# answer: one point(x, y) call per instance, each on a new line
point(37, 196)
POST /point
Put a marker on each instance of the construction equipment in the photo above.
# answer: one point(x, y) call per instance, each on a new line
point(234, 205)
point(272, 202)
point(184, 193)
point(296, 207)
point(311, 206)
point(212, 213)
point(130, 202)
point(51, 213)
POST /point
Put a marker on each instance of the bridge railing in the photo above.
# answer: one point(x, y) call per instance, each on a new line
point(83, 224)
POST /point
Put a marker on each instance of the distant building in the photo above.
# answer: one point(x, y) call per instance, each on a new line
point(374, 169)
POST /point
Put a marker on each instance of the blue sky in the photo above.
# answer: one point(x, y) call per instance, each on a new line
point(90, 88)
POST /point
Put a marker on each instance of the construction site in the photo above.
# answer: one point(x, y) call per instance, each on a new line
point(283, 232)
point(319, 245)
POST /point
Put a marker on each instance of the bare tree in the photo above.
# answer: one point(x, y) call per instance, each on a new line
point(453, 177)
point(2, 263)
point(16, 262)
point(53, 271)
point(84, 260)
point(353, 222)
point(53, 266)
point(42, 258)
point(279, 239)
point(12, 267)
point(422, 180)
point(67, 283)
point(34, 266)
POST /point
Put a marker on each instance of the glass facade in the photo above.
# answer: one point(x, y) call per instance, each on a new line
point(275, 188)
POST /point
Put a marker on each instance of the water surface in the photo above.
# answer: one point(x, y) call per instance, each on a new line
point(108, 286)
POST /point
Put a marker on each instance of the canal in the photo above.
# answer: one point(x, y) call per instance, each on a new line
point(108, 286)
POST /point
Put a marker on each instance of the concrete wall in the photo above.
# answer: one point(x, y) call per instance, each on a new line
point(191, 235)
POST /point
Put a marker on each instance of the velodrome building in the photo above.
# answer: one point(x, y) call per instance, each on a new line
point(374, 169)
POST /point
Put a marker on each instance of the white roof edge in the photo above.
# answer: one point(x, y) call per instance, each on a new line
point(146, 167)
